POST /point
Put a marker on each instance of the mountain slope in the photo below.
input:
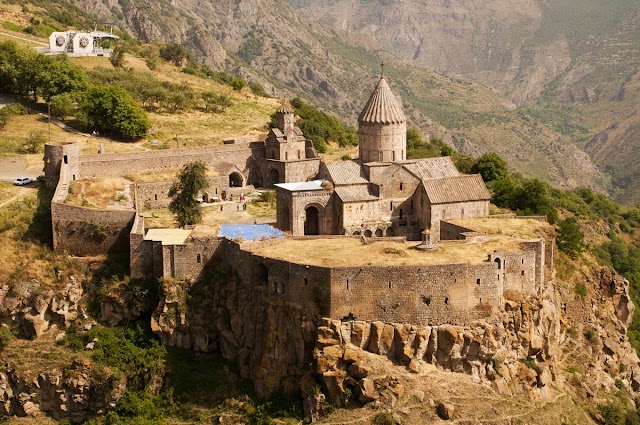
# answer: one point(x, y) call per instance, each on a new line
point(267, 41)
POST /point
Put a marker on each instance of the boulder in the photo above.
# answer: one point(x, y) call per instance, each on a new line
point(445, 410)
point(360, 334)
point(367, 391)
point(358, 370)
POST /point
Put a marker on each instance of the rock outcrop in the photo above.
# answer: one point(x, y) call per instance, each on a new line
point(76, 393)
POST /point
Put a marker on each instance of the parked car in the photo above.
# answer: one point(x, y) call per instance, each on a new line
point(21, 181)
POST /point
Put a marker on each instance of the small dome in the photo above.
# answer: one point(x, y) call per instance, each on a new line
point(382, 107)
point(285, 108)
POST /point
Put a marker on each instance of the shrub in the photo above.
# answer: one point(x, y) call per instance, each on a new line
point(258, 89)
point(570, 237)
point(5, 337)
point(580, 289)
point(384, 418)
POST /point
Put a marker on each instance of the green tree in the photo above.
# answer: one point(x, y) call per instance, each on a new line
point(570, 237)
point(238, 83)
point(62, 105)
point(175, 53)
point(414, 138)
point(113, 110)
point(192, 179)
point(57, 75)
point(214, 102)
point(117, 56)
point(491, 166)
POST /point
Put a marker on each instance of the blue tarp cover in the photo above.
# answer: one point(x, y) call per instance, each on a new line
point(250, 232)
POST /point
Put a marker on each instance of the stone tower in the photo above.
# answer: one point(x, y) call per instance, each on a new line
point(382, 127)
point(285, 117)
point(55, 154)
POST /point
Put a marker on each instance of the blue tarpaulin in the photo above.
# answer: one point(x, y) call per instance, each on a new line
point(249, 232)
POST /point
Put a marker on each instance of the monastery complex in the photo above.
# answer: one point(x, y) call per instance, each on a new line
point(377, 238)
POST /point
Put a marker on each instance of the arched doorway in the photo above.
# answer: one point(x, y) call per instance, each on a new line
point(356, 233)
point(274, 177)
point(311, 221)
point(498, 262)
point(379, 233)
point(368, 233)
point(236, 180)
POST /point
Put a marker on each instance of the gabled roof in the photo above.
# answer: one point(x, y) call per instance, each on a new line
point(456, 189)
point(433, 168)
point(355, 193)
point(345, 173)
point(382, 107)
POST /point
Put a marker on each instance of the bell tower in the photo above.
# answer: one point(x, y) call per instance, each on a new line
point(382, 127)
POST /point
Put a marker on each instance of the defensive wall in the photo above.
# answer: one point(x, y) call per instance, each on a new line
point(240, 154)
point(457, 293)
point(156, 194)
point(87, 231)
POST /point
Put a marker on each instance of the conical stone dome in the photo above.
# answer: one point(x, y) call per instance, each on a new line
point(285, 108)
point(382, 127)
point(382, 107)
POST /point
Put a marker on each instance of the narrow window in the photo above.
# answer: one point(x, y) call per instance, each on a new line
point(199, 258)
point(216, 190)
point(390, 285)
point(477, 281)
point(286, 156)
point(306, 281)
point(498, 276)
point(523, 261)
point(401, 186)
point(522, 273)
point(299, 154)
point(446, 301)
point(391, 206)
point(66, 161)
point(156, 197)
point(347, 284)
point(462, 213)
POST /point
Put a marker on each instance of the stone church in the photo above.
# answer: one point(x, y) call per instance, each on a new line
point(380, 194)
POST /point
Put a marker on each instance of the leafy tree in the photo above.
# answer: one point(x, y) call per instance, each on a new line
point(214, 102)
point(57, 75)
point(414, 138)
point(113, 110)
point(258, 89)
point(238, 83)
point(62, 105)
point(175, 53)
point(491, 166)
point(117, 56)
point(570, 238)
point(183, 193)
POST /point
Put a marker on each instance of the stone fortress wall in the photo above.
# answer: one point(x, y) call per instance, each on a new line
point(79, 230)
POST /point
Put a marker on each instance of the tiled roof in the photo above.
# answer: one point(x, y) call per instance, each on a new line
point(355, 193)
point(433, 168)
point(456, 189)
point(382, 107)
point(346, 172)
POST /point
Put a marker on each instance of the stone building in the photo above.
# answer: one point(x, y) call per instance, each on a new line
point(289, 157)
point(382, 193)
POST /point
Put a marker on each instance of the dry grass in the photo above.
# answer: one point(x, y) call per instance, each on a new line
point(152, 176)
point(7, 191)
point(335, 152)
point(96, 193)
point(522, 228)
point(33, 357)
point(352, 252)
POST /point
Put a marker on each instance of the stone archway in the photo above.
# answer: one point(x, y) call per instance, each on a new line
point(378, 233)
point(311, 221)
point(236, 179)
point(274, 177)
